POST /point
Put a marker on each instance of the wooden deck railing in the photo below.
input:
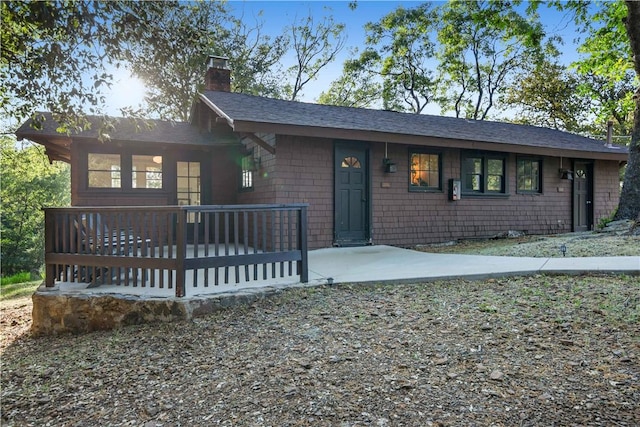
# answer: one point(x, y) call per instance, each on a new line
point(181, 247)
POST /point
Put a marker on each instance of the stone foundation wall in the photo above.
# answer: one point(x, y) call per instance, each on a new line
point(57, 313)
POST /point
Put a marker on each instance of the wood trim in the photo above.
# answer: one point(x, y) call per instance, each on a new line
point(394, 138)
point(261, 142)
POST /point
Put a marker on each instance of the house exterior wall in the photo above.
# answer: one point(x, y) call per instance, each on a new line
point(404, 218)
point(305, 175)
point(219, 175)
point(606, 183)
point(302, 171)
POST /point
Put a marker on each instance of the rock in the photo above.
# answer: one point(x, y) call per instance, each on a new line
point(496, 375)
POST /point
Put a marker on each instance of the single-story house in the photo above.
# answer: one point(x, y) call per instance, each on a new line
point(369, 176)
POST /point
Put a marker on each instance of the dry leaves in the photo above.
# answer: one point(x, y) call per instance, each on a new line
point(519, 351)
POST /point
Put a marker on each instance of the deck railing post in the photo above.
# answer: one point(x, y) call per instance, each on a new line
point(49, 246)
point(181, 251)
point(303, 264)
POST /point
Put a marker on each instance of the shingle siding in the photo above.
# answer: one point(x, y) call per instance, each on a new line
point(404, 218)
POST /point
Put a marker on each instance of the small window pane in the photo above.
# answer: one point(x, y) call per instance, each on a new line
point(104, 170)
point(146, 171)
point(424, 173)
point(529, 175)
point(246, 178)
point(483, 174)
point(495, 175)
point(494, 183)
point(473, 174)
point(351, 162)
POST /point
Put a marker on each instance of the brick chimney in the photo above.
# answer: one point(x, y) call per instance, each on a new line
point(218, 75)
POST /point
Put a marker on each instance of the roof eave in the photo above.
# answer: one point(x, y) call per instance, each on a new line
point(374, 136)
point(218, 111)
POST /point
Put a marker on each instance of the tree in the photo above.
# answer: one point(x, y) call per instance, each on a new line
point(169, 51)
point(399, 51)
point(169, 47)
point(255, 59)
point(483, 43)
point(356, 87)
point(629, 207)
point(547, 95)
point(607, 65)
point(601, 63)
point(55, 56)
point(314, 46)
point(29, 183)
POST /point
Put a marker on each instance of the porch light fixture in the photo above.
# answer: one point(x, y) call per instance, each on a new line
point(389, 166)
point(565, 173)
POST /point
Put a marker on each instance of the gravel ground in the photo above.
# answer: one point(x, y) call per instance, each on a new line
point(529, 351)
point(587, 244)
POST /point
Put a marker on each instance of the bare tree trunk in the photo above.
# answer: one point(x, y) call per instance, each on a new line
point(629, 207)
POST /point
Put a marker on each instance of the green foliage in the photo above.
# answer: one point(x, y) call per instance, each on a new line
point(461, 55)
point(29, 183)
point(399, 51)
point(168, 50)
point(547, 95)
point(356, 87)
point(18, 289)
point(607, 66)
point(604, 221)
point(55, 56)
point(17, 278)
point(483, 44)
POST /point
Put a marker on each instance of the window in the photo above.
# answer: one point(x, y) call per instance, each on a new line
point(246, 179)
point(350, 162)
point(104, 170)
point(529, 175)
point(188, 186)
point(483, 173)
point(146, 171)
point(424, 171)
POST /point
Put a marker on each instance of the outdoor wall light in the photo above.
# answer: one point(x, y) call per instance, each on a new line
point(389, 166)
point(566, 174)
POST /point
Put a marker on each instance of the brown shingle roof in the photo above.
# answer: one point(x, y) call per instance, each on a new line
point(247, 112)
point(160, 131)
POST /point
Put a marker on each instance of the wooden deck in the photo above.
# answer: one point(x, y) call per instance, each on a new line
point(175, 250)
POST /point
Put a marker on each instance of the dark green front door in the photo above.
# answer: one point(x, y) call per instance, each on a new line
point(352, 204)
point(582, 196)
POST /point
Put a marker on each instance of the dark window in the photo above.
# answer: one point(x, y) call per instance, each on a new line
point(483, 173)
point(424, 171)
point(529, 175)
point(246, 178)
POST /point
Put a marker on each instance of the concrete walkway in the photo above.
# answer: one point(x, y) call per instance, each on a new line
point(388, 263)
point(378, 264)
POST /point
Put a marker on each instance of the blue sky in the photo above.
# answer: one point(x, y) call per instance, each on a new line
point(279, 14)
